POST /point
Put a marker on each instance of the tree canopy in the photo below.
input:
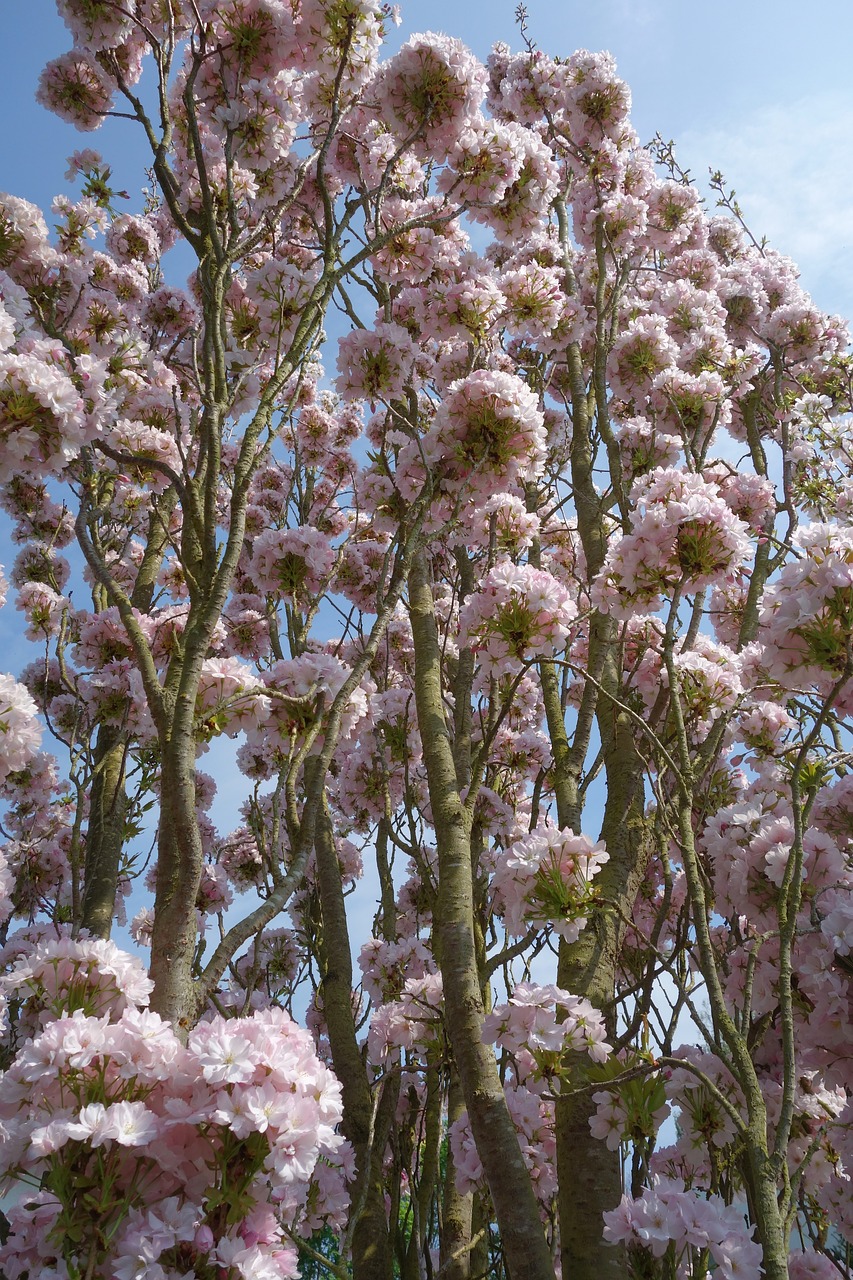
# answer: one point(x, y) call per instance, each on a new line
point(494, 494)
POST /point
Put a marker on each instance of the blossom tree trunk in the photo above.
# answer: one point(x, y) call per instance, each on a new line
point(527, 1254)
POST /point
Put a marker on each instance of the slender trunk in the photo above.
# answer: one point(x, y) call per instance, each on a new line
point(589, 1175)
point(371, 1257)
point(481, 1239)
point(456, 1215)
point(108, 799)
point(428, 1140)
point(764, 1200)
point(516, 1209)
point(180, 860)
point(105, 836)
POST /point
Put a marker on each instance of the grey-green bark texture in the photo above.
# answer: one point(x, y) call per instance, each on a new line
point(106, 831)
point(371, 1254)
point(516, 1210)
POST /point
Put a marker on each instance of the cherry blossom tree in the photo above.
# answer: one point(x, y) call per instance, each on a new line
point(493, 494)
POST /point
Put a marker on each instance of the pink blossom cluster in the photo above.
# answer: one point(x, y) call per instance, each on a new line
point(387, 966)
point(413, 254)
point(20, 731)
point(38, 824)
point(147, 444)
point(291, 562)
point(522, 211)
point(519, 614)
point(705, 1127)
point(76, 89)
point(538, 1025)
point(259, 35)
point(546, 878)
point(225, 1135)
point(363, 566)
point(533, 1117)
point(485, 160)
point(96, 25)
point(488, 433)
point(131, 239)
point(44, 609)
point(750, 844)
point(644, 447)
point(535, 300)
point(412, 1022)
point(764, 725)
point(667, 1214)
point(305, 683)
point(502, 517)
point(683, 535)
point(230, 698)
point(429, 91)
point(709, 678)
point(642, 350)
point(42, 423)
point(752, 498)
point(374, 364)
point(636, 1109)
point(808, 613)
point(462, 310)
point(582, 94)
point(60, 976)
point(262, 124)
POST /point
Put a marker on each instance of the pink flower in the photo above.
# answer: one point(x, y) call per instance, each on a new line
point(429, 91)
point(683, 534)
point(75, 88)
point(20, 731)
point(130, 1124)
point(374, 364)
point(42, 426)
point(519, 613)
point(545, 1020)
point(738, 1259)
point(95, 24)
point(291, 562)
point(545, 877)
point(223, 1056)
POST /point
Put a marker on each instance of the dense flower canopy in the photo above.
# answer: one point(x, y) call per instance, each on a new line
point(484, 499)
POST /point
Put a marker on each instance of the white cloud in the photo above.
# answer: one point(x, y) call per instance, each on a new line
point(790, 164)
point(639, 12)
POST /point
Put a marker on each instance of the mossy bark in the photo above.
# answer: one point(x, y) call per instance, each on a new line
point(516, 1210)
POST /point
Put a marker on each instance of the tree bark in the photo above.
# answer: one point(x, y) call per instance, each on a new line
point(516, 1209)
point(371, 1254)
point(105, 835)
point(180, 860)
point(457, 1209)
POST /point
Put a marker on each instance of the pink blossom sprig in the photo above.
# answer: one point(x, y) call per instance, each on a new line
point(519, 614)
point(546, 878)
point(807, 618)
point(148, 1148)
point(667, 1217)
point(538, 1025)
point(684, 534)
